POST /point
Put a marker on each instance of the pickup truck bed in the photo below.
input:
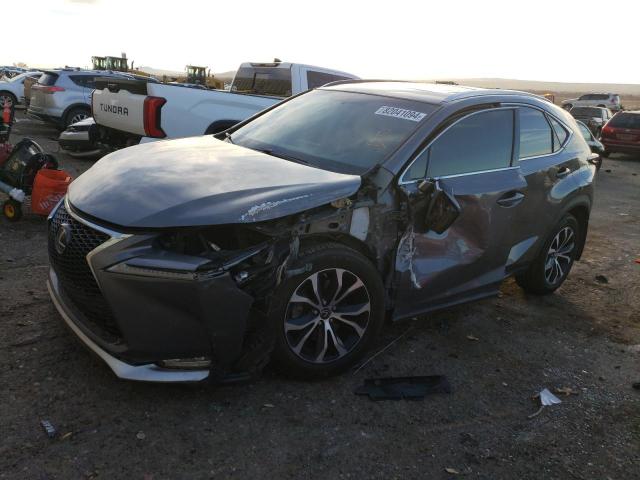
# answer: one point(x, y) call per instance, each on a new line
point(120, 105)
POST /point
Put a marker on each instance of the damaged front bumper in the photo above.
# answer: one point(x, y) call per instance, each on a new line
point(151, 315)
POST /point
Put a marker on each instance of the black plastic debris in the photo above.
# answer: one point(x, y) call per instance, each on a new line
point(408, 388)
point(49, 429)
point(636, 385)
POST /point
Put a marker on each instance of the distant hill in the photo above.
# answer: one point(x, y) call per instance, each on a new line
point(530, 85)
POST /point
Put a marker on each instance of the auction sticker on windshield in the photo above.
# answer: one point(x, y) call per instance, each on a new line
point(401, 113)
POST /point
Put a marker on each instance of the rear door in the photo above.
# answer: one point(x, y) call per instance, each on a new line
point(457, 248)
point(547, 167)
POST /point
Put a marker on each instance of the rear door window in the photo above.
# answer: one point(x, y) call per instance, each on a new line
point(85, 81)
point(536, 136)
point(479, 142)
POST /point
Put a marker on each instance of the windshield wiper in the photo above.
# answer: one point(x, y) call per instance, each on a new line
point(284, 156)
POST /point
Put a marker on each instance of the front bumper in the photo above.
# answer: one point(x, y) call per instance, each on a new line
point(144, 318)
point(144, 373)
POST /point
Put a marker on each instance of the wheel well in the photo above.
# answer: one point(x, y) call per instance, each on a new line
point(581, 213)
point(347, 240)
point(82, 106)
point(219, 126)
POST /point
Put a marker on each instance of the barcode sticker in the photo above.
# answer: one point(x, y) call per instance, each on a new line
point(400, 113)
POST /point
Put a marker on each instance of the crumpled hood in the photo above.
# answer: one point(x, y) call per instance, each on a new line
point(201, 181)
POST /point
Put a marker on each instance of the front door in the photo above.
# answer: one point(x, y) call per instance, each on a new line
point(456, 248)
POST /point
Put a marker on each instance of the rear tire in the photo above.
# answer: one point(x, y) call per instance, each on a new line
point(550, 269)
point(605, 154)
point(318, 337)
point(75, 115)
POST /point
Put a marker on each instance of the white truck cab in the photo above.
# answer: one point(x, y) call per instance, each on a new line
point(127, 112)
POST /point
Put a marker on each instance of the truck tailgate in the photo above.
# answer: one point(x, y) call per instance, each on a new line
point(119, 104)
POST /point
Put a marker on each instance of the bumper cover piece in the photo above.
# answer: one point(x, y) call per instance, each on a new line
point(144, 373)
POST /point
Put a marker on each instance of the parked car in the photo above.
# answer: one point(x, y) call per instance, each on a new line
point(7, 73)
point(606, 100)
point(594, 144)
point(79, 139)
point(622, 133)
point(128, 112)
point(297, 231)
point(593, 117)
point(63, 96)
point(12, 90)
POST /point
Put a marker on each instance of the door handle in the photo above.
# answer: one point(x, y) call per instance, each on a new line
point(510, 199)
point(563, 172)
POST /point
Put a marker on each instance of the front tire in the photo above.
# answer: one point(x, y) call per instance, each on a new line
point(550, 269)
point(4, 96)
point(326, 318)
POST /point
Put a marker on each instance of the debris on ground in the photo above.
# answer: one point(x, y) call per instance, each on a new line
point(49, 429)
point(602, 279)
point(140, 435)
point(566, 391)
point(546, 399)
point(636, 385)
point(382, 350)
point(452, 471)
point(472, 338)
point(408, 388)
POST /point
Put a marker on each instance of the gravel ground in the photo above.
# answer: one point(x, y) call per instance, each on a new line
point(586, 336)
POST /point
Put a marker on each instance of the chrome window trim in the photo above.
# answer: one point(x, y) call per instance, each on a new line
point(545, 112)
point(402, 181)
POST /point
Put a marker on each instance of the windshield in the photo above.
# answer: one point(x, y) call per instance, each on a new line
point(344, 132)
point(586, 112)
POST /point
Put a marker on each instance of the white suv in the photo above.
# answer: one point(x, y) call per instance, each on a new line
point(607, 100)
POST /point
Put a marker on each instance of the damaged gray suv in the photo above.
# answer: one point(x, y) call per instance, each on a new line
point(292, 236)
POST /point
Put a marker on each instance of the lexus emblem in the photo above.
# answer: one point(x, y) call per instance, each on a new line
point(63, 237)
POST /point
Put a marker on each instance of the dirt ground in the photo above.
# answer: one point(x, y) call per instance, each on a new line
point(496, 353)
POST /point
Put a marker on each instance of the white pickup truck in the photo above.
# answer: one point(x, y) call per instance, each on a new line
point(128, 112)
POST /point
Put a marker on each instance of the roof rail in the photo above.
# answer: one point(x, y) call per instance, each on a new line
point(363, 80)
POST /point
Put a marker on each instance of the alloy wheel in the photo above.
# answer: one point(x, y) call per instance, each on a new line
point(78, 117)
point(327, 315)
point(4, 99)
point(559, 256)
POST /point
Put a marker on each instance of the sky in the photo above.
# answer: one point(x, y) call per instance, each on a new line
point(557, 40)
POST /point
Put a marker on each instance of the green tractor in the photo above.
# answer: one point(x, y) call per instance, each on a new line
point(197, 75)
point(116, 64)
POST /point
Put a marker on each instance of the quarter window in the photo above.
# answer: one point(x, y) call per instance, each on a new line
point(482, 141)
point(560, 134)
point(536, 136)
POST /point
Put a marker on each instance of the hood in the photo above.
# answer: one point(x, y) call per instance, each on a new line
point(201, 181)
